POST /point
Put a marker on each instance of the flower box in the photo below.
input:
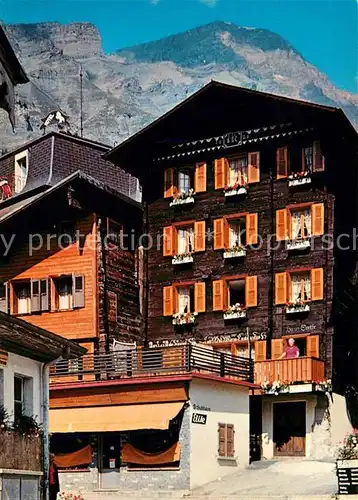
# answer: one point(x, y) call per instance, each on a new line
point(236, 311)
point(300, 244)
point(275, 388)
point(182, 259)
point(184, 318)
point(299, 179)
point(181, 201)
point(297, 308)
point(236, 252)
point(324, 386)
point(235, 191)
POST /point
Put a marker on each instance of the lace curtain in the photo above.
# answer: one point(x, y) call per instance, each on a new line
point(183, 300)
point(301, 287)
point(296, 225)
point(185, 241)
point(235, 235)
point(238, 171)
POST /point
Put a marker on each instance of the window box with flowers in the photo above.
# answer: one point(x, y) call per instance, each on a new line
point(183, 198)
point(235, 252)
point(299, 179)
point(235, 189)
point(347, 464)
point(299, 244)
point(297, 306)
point(277, 387)
point(184, 258)
point(184, 318)
point(236, 311)
point(324, 386)
point(66, 495)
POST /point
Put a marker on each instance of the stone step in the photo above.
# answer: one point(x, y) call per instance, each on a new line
point(169, 495)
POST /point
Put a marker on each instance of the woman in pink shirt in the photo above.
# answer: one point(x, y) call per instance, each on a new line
point(291, 350)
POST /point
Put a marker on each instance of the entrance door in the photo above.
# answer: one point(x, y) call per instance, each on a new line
point(289, 429)
point(109, 460)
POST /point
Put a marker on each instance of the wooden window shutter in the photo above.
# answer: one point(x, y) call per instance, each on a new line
point(218, 234)
point(281, 224)
point(4, 297)
point(317, 284)
point(312, 344)
point(200, 177)
point(199, 236)
point(168, 241)
point(260, 350)
point(220, 169)
point(251, 291)
point(282, 163)
point(317, 219)
point(276, 348)
point(168, 182)
point(280, 288)
point(318, 158)
point(78, 290)
point(253, 173)
point(168, 301)
point(218, 295)
point(230, 440)
point(35, 295)
point(251, 229)
point(44, 294)
point(199, 297)
point(222, 440)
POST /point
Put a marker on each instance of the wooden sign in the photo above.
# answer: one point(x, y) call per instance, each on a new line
point(199, 418)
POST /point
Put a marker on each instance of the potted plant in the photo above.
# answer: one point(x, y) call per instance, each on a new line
point(235, 311)
point(275, 387)
point(297, 306)
point(183, 258)
point(347, 464)
point(297, 178)
point(184, 318)
point(235, 189)
point(183, 197)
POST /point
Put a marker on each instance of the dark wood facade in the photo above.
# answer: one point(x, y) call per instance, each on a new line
point(205, 124)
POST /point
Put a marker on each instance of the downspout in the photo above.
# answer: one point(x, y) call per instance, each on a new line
point(45, 425)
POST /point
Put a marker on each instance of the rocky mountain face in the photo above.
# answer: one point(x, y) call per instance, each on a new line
point(126, 90)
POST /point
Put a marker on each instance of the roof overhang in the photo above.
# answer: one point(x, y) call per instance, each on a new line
point(219, 108)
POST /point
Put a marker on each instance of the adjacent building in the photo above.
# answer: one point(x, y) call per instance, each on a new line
point(250, 205)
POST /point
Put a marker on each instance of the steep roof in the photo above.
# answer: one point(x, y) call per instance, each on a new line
point(215, 105)
point(20, 337)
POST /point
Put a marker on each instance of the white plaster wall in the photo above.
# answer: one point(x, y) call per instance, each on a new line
point(267, 421)
point(31, 370)
point(340, 424)
point(228, 404)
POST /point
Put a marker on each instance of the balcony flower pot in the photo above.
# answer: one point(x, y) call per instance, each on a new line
point(297, 307)
point(183, 198)
point(237, 311)
point(184, 318)
point(300, 244)
point(324, 386)
point(347, 465)
point(299, 179)
point(185, 258)
point(234, 253)
point(274, 388)
point(235, 190)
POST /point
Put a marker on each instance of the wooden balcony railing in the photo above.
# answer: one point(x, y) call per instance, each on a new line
point(150, 363)
point(289, 370)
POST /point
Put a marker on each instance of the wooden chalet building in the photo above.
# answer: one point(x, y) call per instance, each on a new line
point(250, 206)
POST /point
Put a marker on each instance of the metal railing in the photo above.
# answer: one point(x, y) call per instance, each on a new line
point(152, 362)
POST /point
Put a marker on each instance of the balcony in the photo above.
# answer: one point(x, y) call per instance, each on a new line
point(153, 362)
point(302, 370)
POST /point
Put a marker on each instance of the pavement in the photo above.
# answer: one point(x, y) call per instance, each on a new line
point(290, 479)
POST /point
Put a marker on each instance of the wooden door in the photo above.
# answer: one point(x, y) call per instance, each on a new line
point(289, 429)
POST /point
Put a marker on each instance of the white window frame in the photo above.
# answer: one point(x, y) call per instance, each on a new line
point(20, 177)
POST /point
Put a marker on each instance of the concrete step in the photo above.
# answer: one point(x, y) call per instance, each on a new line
point(170, 495)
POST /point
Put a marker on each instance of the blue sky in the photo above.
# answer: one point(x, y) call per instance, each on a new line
point(324, 31)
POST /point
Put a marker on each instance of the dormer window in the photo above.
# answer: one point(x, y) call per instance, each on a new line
point(21, 171)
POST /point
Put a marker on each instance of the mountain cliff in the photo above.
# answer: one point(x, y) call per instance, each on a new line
point(126, 90)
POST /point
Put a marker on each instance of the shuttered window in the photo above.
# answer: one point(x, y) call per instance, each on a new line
point(303, 285)
point(184, 239)
point(254, 167)
point(236, 230)
point(4, 298)
point(282, 162)
point(276, 348)
point(318, 158)
point(312, 346)
point(200, 177)
point(182, 179)
point(237, 171)
point(226, 438)
point(184, 298)
point(300, 222)
point(260, 350)
point(221, 292)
